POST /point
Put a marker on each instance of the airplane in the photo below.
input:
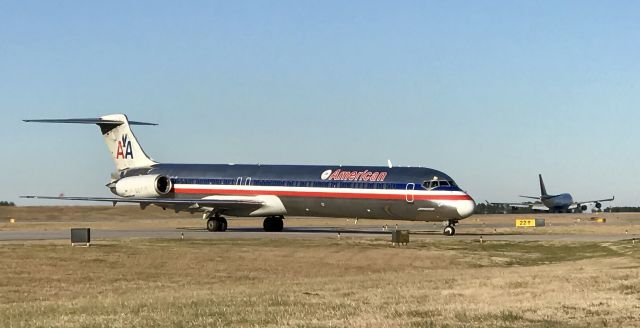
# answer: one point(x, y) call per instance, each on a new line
point(272, 191)
point(562, 203)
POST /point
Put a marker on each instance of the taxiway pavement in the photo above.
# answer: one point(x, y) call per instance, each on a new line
point(426, 231)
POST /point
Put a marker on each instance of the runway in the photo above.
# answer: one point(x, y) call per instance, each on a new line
point(418, 232)
point(125, 222)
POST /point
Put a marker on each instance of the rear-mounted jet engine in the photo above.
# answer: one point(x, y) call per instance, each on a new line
point(142, 186)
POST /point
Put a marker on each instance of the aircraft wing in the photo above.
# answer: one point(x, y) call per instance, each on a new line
point(519, 205)
point(220, 202)
point(532, 205)
point(594, 201)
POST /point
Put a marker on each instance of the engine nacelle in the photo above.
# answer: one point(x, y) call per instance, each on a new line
point(598, 205)
point(143, 186)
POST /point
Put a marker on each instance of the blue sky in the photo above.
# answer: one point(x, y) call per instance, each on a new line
point(490, 92)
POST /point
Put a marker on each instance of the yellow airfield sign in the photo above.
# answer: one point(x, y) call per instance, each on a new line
point(527, 222)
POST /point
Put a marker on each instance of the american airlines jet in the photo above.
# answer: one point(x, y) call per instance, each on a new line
point(273, 191)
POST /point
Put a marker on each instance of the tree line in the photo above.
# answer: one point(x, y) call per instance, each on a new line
point(3, 203)
point(619, 209)
point(484, 208)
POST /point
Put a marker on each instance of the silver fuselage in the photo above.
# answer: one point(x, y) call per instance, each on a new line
point(323, 191)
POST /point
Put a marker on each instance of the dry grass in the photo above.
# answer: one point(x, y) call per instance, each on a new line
point(577, 224)
point(319, 283)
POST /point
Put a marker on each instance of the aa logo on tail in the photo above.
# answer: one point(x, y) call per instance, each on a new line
point(124, 148)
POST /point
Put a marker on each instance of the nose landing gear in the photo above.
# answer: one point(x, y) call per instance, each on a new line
point(449, 229)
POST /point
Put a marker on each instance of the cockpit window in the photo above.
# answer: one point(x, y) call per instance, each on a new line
point(438, 183)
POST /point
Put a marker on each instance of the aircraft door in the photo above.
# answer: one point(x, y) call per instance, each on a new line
point(409, 192)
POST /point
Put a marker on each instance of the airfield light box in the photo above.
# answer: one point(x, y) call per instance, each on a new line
point(80, 236)
point(400, 237)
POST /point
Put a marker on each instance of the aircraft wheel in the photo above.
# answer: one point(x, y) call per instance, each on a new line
point(273, 224)
point(223, 224)
point(278, 224)
point(212, 225)
point(449, 231)
point(217, 224)
point(267, 224)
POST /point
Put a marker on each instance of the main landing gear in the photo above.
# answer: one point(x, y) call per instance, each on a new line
point(449, 230)
point(217, 223)
point(273, 223)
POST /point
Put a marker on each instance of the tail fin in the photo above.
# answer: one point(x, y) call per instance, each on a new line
point(122, 143)
point(543, 190)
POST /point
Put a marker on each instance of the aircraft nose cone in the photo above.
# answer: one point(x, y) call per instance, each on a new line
point(465, 208)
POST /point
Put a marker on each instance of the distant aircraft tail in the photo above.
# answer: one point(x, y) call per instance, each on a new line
point(122, 143)
point(543, 190)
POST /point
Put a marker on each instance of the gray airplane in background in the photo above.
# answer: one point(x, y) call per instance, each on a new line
point(562, 203)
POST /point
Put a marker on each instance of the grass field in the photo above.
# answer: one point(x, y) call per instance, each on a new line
point(319, 283)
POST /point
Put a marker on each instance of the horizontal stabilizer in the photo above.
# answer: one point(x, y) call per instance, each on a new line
point(88, 121)
point(125, 150)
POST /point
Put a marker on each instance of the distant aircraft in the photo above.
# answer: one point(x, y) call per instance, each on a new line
point(562, 203)
point(272, 191)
